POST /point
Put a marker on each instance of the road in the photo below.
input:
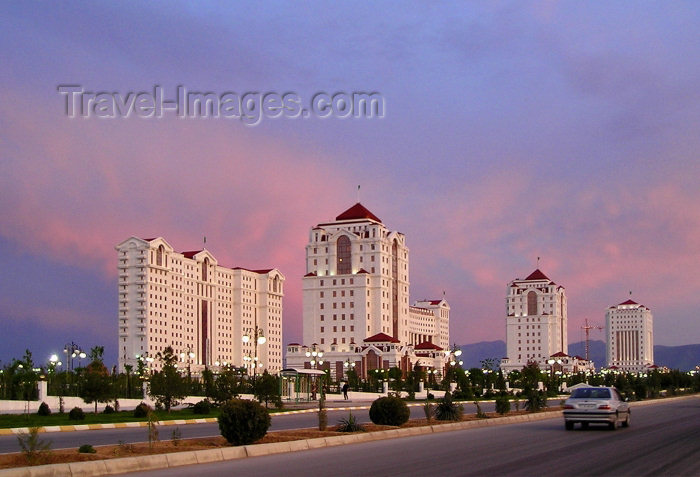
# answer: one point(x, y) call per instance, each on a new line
point(664, 439)
point(67, 440)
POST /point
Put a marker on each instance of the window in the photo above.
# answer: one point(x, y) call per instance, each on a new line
point(532, 303)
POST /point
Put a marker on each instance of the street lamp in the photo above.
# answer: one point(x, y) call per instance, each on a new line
point(316, 357)
point(258, 339)
point(72, 350)
point(190, 356)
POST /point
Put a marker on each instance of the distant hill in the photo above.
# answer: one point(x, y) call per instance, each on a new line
point(473, 353)
point(596, 351)
point(684, 357)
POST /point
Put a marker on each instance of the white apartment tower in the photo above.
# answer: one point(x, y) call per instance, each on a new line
point(536, 321)
point(198, 307)
point(356, 286)
point(630, 335)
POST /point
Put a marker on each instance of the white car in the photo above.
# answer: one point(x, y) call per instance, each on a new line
point(596, 405)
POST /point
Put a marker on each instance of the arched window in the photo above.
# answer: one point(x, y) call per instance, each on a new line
point(532, 303)
point(159, 256)
point(343, 265)
point(205, 269)
point(275, 285)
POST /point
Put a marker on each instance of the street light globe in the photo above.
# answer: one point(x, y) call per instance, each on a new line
point(192, 355)
point(245, 338)
point(53, 358)
point(458, 352)
point(82, 355)
point(261, 340)
point(308, 353)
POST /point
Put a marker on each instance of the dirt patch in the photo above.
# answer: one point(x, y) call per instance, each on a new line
point(166, 446)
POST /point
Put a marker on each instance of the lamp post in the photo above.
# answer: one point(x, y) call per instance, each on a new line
point(72, 351)
point(256, 334)
point(190, 356)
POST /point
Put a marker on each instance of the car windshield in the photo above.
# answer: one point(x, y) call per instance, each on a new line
point(591, 393)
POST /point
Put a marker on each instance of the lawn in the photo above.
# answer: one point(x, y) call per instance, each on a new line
point(56, 419)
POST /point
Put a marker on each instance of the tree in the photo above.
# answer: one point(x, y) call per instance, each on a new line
point(266, 388)
point(396, 374)
point(168, 388)
point(96, 384)
point(228, 385)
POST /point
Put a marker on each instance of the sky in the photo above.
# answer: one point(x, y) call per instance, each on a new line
point(510, 131)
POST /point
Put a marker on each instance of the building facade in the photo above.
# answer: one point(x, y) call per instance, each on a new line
point(536, 321)
point(356, 288)
point(201, 309)
point(630, 336)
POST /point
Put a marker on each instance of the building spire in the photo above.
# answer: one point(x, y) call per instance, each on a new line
point(358, 193)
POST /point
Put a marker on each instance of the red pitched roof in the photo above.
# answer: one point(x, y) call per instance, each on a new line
point(310, 274)
point(191, 253)
point(435, 302)
point(629, 302)
point(362, 270)
point(559, 354)
point(381, 338)
point(293, 344)
point(426, 345)
point(537, 275)
point(358, 211)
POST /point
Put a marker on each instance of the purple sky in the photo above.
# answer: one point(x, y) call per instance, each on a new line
point(564, 130)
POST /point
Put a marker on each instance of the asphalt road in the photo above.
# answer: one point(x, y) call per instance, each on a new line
point(67, 440)
point(664, 439)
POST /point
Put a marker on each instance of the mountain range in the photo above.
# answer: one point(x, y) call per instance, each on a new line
point(684, 358)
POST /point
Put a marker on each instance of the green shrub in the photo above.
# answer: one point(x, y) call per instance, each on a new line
point(349, 424)
point(429, 410)
point(142, 410)
point(44, 410)
point(535, 401)
point(242, 421)
point(176, 436)
point(76, 414)
point(389, 411)
point(86, 449)
point(502, 404)
point(202, 407)
point(447, 410)
point(33, 448)
point(108, 409)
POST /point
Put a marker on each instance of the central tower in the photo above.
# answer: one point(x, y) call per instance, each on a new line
point(356, 283)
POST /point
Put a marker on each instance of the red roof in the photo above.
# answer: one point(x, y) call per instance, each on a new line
point(358, 211)
point(381, 338)
point(362, 270)
point(310, 274)
point(191, 253)
point(560, 354)
point(426, 345)
point(537, 275)
point(629, 302)
point(293, 344)
point(435, 302)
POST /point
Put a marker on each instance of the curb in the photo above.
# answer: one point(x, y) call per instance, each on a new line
point(177, 459)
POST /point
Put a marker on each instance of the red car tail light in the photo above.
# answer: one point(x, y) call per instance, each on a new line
point(604, 406)
point(568, 406)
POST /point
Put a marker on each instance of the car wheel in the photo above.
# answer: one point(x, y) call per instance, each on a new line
point(626, 422)
point(569, 426)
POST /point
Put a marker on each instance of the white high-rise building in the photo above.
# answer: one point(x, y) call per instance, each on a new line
point(536, 321)
point(629, 328)
point(356, 289)
point(198, 307)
